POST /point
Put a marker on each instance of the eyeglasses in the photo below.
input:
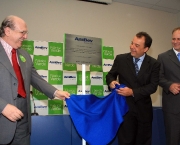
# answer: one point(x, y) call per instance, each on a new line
point(22, 32)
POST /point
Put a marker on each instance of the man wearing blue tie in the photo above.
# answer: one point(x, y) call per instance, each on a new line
point(140, 73)
point(170, 82)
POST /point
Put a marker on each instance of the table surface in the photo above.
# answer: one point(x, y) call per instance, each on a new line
point(59, 130)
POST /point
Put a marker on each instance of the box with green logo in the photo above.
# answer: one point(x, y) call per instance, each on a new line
point(40, 62)
point(38, 95)
point(104, 78)
point(55, 77)
point(55, 49)
point(72, 89)
point(79, 78)
point(55, 107)
point(97, 68)
point(108, 52)
point(97, 90)
point(69, 66)
point(28, 46)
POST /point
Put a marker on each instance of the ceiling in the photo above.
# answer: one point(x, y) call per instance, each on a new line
point(171, 6)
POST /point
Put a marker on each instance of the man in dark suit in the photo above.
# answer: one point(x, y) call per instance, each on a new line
point(15, 117)
point(170, 82)
point(141, 79)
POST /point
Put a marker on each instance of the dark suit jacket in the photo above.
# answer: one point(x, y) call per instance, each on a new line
point(142, 85)
point(169, 73)
point(8, 89)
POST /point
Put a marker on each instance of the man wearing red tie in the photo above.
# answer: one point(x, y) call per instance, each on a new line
point(17, 74)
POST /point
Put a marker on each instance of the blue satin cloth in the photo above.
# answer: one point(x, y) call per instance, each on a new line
point(97, 119)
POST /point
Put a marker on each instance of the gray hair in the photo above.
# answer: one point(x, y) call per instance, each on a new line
point(7, 22)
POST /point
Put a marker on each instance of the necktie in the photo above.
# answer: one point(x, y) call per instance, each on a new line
point(21, 90)
point(178, 55)
point(136, 65)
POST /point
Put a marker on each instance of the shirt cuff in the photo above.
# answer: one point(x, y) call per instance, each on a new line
point(55, 93)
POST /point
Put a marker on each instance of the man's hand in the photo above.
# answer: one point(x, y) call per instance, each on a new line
point(125, 91)
point(112, 84)
point(174, 88)
point(12, 113)
point(62, 94)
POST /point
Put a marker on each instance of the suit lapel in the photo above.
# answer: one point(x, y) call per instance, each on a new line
point(144, 66)
point(4, 60)
point(22, 63)
point(131, 64)
point(173, 57)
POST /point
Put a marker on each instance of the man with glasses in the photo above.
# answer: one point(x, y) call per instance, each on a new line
point(17, 75)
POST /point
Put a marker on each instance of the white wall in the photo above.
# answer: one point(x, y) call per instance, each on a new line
point(178, 19)
point(116, 23)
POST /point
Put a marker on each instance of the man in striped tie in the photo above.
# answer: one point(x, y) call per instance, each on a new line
point(140, 73)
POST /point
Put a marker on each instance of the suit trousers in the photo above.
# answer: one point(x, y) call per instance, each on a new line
point(21, 136)
point(172, 128)
point(134, 132)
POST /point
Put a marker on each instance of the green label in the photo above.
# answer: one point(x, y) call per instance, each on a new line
point(97, 90)
point(96, 68)
point(55, 77)
point(38, 95)
point(108, 52)
point(72, 89)
point(55, 49)
point(55, 107)
point(104, 78)
point(28, 46)
point(69, 66)
point(40, 62)
point(79, 78)
point(22, 58)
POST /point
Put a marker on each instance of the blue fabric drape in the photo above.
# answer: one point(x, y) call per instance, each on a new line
point(97, 119)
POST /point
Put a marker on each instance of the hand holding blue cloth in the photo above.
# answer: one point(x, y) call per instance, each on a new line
point(97, 119)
